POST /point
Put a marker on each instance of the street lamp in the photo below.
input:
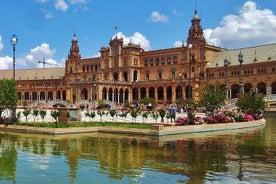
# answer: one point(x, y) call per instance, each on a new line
point(240, 57)
point(225, 75)
point(94, 95)
point(181, 80)
point(14, 41)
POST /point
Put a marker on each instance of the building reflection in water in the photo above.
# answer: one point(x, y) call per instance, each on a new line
point(120, 156)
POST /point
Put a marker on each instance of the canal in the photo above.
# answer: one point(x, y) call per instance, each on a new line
point(247, 156)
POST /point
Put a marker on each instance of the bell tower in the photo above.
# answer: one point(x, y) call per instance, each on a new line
point(196, 32)
point(74, 49)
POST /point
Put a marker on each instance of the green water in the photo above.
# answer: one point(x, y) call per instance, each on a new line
point(231, 157)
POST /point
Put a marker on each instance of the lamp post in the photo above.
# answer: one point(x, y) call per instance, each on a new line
point(14, 40)
point(94, 95)
point(225, 75)
point(181, 80)
point(240, 57)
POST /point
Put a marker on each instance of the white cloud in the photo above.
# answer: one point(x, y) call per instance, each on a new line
point(176, 13)
point(78, 1)
point(6, 63)
point(178, 43)
point(137, 38)
point(1, 44)
point(157, 17)
point(47, 13)
point(41, 53)
point(252, 26)
point(43, 1)
point(61, 5)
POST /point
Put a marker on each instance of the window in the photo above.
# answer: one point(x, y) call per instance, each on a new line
point(169, 60)
point(157, 61)
point(160, 75)
point(146, 62)
point(173, 74)
point(147, 76)
point(135, 60)
point(151, 62)
point(174, 59)
point(163, 61)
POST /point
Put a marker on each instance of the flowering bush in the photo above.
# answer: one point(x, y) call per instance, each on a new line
point(222, 117)
point(182, 121)
point(248, 117)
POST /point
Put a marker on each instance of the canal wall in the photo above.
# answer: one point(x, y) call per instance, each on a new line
point(157, 129)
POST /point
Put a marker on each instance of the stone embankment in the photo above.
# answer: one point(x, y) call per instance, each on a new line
point(156, 130)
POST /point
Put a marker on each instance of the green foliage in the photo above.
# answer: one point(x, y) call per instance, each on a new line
point(251, 103)
point(134, 114)
point(26, 113)
point(155, 115)
point(103, 124)
point(55, 114)
point(42, 114)
point(8, 94)
point(18, 114)
point(112, 112)
point(147, 100)
point(101, 104)
point(35, 113)
point(123, 114)
point(212, 98)
point(162, 114)
point(100, 113)
point(145, 115)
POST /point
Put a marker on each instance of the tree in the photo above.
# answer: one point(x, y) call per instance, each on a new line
point(162, 114)
point(155, 115)
point(8, 96)
point(251, 103)
point(90, 114)
point(42, 114)
point(112, 113)
point(145, 115)
point(134, 114)
point(147, 101)
point(100, 113)
point(26, 113)
point(212, 98)
point(35, 113)
point(55, 114)
point(101, 104)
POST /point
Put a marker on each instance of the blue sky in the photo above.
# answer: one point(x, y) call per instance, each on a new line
point(45, 28)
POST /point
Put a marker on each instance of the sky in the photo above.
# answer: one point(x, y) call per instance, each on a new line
point(45, 28)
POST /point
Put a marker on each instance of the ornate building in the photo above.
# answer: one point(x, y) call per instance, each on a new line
point(126, 73)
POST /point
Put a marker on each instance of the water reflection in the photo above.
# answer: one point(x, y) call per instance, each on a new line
point(111, 158)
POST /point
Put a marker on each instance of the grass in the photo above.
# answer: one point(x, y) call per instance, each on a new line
point(88, 124)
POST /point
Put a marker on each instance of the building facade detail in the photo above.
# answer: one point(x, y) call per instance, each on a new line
point(127, 73)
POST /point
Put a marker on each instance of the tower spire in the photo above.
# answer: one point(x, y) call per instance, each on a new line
point(195, 31)
point(74, 49)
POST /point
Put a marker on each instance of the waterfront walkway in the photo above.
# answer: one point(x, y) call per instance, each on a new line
point(156, 130)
